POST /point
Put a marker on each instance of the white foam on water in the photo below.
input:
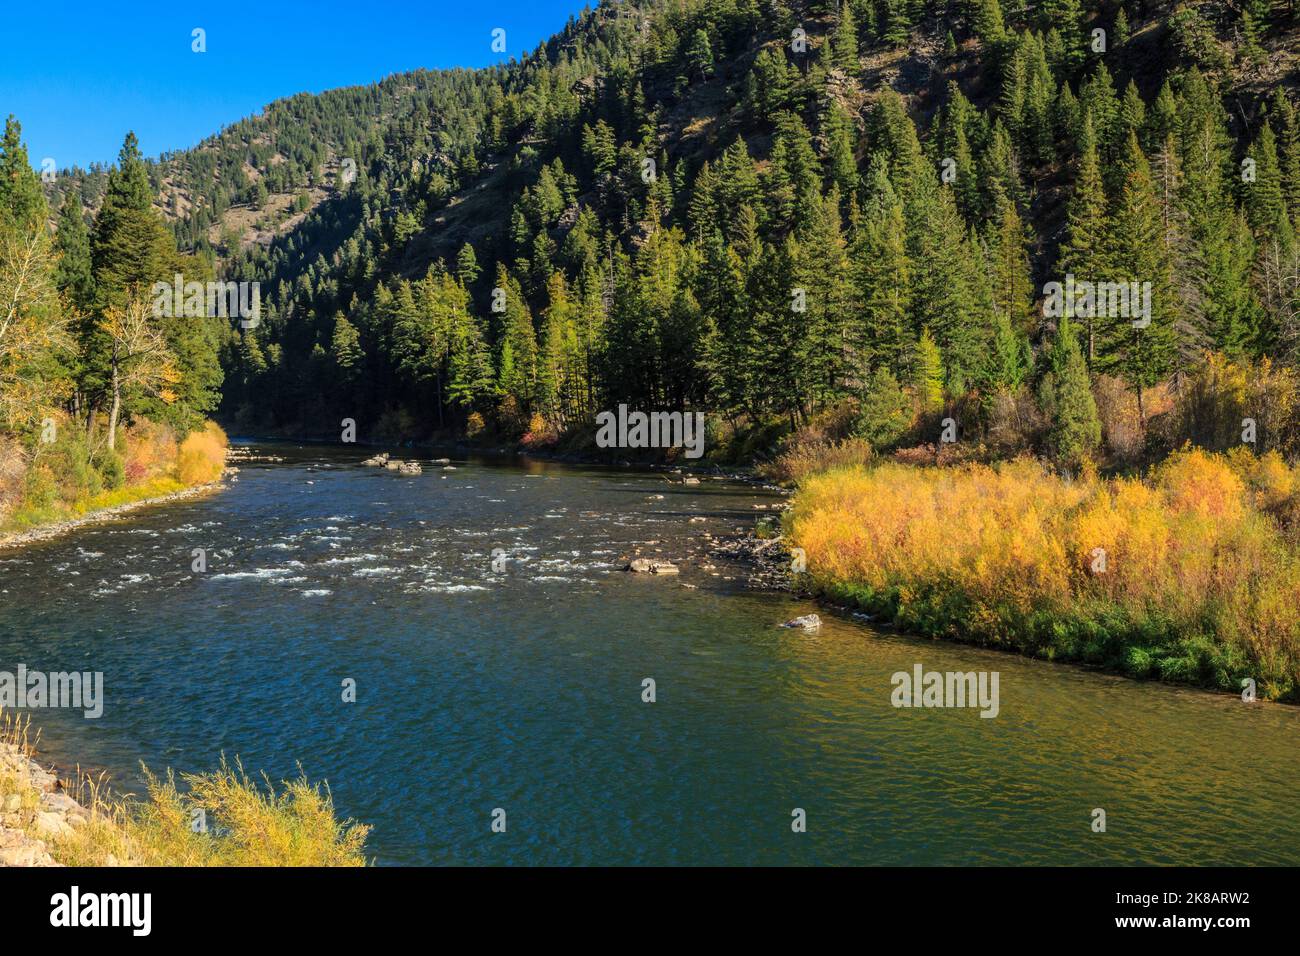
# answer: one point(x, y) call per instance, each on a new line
point(259, 574)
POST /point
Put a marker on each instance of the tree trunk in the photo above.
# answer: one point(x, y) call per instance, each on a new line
point(116, 411)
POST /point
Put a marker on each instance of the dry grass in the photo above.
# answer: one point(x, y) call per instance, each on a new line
point(1201, 574)
point(246, 822)
point(805, 458)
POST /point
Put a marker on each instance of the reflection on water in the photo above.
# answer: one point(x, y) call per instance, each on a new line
point(522, 689)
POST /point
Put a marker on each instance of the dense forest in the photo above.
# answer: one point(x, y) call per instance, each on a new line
point(819, 218)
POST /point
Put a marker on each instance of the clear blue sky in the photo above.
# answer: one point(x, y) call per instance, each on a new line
point(78, 74)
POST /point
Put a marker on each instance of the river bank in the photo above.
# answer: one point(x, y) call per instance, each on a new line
point(18, 539)
point(36, 814)
point(1190, 575)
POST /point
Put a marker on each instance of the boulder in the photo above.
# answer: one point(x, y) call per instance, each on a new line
point(651, 566)
point(809, 622)
point(51, 825)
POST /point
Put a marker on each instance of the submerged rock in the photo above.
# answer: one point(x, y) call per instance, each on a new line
point(809, 622)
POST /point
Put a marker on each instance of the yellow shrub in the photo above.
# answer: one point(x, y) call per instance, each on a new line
point(202, 456)
point(1090, 569)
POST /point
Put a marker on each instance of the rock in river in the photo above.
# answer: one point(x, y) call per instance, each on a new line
point(651, 566)
point(809, 622)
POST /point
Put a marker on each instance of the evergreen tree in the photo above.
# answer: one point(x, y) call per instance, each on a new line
point(1139, 348)
point(1075, 430)
point(72, 276)
point(1084, 251)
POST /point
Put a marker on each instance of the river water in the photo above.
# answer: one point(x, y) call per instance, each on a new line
point(521, 687)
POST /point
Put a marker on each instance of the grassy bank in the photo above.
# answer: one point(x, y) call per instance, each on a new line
point(65, 479)
point(247, 822)
point(1189, 574)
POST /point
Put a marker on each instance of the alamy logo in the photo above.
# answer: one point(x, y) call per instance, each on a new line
point(77, 691)
point(922, 688)
point(196, 300)
point(1083, 299)
point(653, 430)
point(133, 910)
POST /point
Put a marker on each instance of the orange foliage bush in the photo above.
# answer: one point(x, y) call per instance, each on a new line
point(1183, 575)
point(202, 455)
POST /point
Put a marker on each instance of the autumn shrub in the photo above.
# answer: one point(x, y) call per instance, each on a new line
point(540, 433)
point(202, 456)
point(801, 459)
point(1225, 404)
point(148, 450)
point(1183, 575)
point(1121, 426)
point(475, 426)
point(13, 472)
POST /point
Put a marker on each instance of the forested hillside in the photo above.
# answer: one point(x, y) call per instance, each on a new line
point(660, 188)
point(834, 220)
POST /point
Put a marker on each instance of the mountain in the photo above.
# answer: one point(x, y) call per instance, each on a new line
point(792, 215)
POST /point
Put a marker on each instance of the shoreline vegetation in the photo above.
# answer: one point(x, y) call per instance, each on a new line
point(53, 494)
point(1188, 574)
point(220, 818)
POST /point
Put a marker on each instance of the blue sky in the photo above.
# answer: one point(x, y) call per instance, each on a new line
point(79, 74)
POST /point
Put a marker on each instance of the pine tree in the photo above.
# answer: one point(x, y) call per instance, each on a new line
point(1010, 267)
point(1084, 251)
point(1075, 430)
point(517, 353)
point(467, 267)
point(844, 42)
point(841, 165)
point(883, 279)
point(1265, 202)
point(21, 201)
point(1139, 349)
point(927, 373)
point(72, 276)
point(345, 349)
point(699, 57)
point(886, 411)
point(989, 25)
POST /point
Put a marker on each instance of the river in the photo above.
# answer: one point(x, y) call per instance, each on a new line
point(520, 687)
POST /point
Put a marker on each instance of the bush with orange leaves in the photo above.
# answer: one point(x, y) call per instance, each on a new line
point(1188, 575)
point(202, 455)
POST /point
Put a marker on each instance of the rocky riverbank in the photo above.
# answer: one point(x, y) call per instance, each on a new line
point(17, 539)
point(35, 812)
